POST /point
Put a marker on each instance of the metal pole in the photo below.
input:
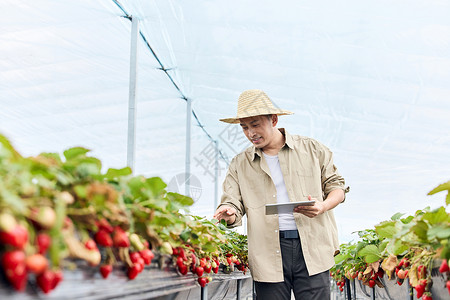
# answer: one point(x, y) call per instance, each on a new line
point(373, 293)
point(347, 286)
point(238, 289)
point(131, 147)
point(254, 290)
point(204, 293)
point(188, 146)
point(354, 289)
point(216, 176)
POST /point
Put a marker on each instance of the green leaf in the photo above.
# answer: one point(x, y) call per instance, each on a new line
point(397, 216)
point(437, 216)
point(156, 185)
point(397, 247)
point(75, 152)
point(341, 257)
point(420, 230)
point(115, 173)
point(386, 229)
point(440, 188)
point(370, 253)
point(439, 232)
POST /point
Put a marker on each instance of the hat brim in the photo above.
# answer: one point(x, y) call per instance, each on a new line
point(236, 119)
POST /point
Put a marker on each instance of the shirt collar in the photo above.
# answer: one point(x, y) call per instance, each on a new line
point(288, 141)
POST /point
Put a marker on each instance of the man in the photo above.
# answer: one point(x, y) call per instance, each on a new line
point(291, 250)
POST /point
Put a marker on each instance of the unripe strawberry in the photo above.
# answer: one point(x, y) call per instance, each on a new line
point(7, 222)
point(136, 242)
point(402, 274)
point(166, 248)
point(36, 263)
point(45, 216)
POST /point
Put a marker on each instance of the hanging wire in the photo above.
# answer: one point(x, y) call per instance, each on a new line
point(162, 68)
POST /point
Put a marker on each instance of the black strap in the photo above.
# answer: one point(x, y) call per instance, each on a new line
point(289, 234)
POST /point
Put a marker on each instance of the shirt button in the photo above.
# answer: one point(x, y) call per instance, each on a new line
point(276, 230)
point(278, 251)
point(274, 196)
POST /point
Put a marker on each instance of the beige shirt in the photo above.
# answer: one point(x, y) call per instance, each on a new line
point(308, 169)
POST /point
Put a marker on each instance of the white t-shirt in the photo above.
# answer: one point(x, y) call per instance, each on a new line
point(285, 216)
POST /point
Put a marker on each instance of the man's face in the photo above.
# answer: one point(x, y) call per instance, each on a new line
point(259, 130)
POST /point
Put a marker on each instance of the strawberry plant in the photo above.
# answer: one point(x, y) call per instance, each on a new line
point(403, 247)
point(55, 208)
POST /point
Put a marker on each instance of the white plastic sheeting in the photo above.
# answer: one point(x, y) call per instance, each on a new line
point(370, 79)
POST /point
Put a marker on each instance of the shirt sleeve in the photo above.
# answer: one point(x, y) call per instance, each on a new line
point(232, 194)
point(331, 179)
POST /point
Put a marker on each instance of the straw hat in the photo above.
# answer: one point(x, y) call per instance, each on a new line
point(255, 103)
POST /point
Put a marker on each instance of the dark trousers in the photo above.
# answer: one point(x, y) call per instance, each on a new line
point(296, 278)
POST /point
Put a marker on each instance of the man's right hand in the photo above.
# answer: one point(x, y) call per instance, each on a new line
point(226, 213)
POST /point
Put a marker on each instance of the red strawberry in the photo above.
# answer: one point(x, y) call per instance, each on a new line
point(133, 272)
point(13, 263)
point(43, 242)
point(45, 281)
point(147, 255)
point(90, 245)
point(57, 279)
point(181, 253)
point(180, 261)
point(215, 270)
point(183, 269)
point(202, 281)
point(36, 263)
point(208, 268)
point(400, 282)
point(120, 238)
point(202, 262)
point(103, 238)
point(104, 224)
point(229, 260)
point(447, 284)
point(419, 289)
point(444, 266)
point(199, 271)
point(17, 237)
point(427, 297)
point(174, 251)
point(105, 270)
point(371, 283)
point(135, 256)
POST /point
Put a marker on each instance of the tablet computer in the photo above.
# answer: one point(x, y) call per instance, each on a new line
point(272, 209)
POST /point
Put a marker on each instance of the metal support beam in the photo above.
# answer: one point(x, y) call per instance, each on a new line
point(188, 147)
point(238, 289)
point(216, 176)
point(373, 293)
point(204, 293)
point(347, 286)
point(131, 144)
point(354, 289)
